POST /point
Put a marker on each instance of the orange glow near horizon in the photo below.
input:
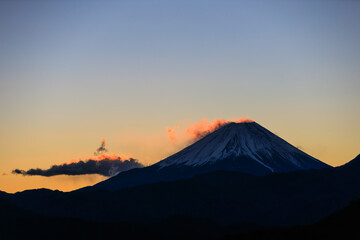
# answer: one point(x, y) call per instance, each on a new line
point(148, 147)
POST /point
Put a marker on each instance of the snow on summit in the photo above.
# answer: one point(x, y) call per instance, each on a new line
point(243, 139)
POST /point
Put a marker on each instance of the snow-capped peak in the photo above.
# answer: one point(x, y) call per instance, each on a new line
point(246, 139)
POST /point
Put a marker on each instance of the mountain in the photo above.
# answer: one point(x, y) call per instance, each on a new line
point(279, 199)
point(230, 184)
point(243, 147)
point(207, 206)
point(341, 225)
point(241, 142)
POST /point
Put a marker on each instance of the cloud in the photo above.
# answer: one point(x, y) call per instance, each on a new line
point(200, 129)
point(172, 133)
point(101, 149)
point(106, 167)
point(203, 127)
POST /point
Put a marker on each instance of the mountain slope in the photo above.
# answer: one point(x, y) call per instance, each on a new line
point(242, 147)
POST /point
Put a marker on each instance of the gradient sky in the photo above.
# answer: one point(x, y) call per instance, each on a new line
point(73, 72)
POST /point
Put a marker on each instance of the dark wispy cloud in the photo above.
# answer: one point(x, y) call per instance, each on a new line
point(101, 149)
point(105, 167)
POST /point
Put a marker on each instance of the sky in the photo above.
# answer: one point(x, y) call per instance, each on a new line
point(75, 72)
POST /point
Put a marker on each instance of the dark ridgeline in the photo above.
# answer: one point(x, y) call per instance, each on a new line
point(338, 186)
point(18, 224)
